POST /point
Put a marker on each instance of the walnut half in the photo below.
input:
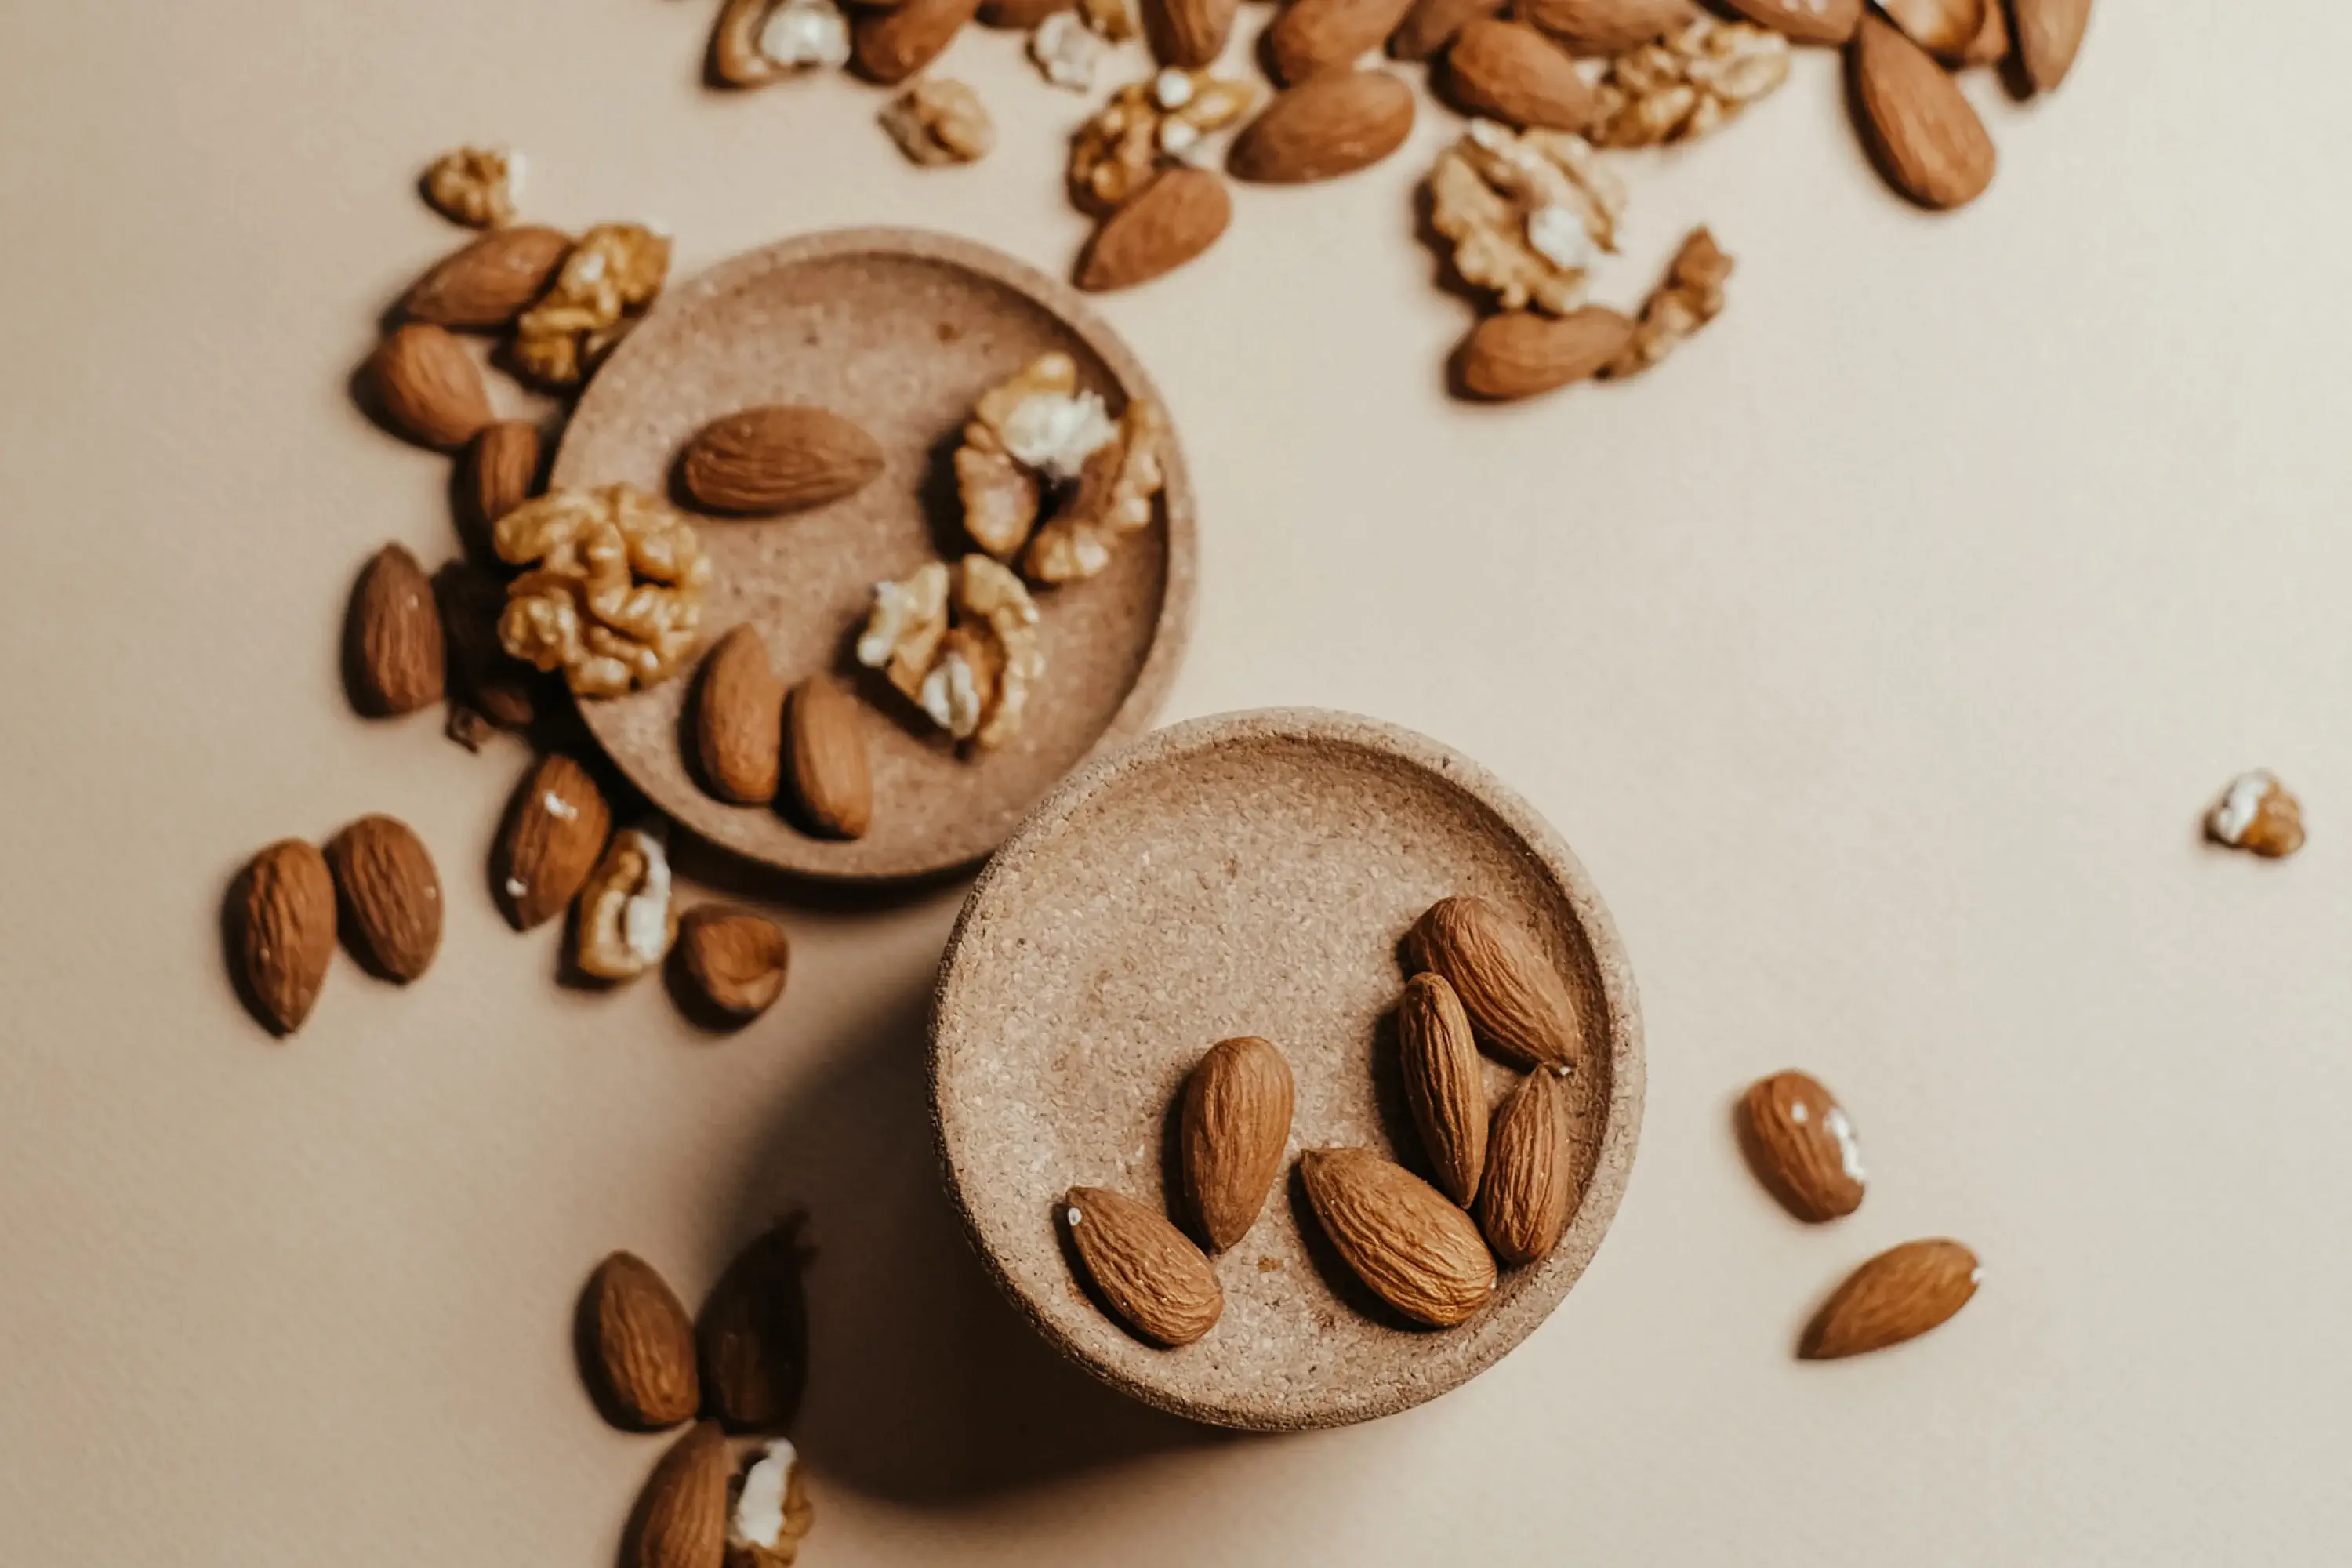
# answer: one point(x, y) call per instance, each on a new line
point(1038, 437)
point(609, 279)
point(1525, 210)
point(613, 596)
point(970, 657)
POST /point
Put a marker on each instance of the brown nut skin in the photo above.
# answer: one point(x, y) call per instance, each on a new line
point(1235, 1125)
point(1802, 1147)
point(1308, 37)
point(751, 1337)
point(1601, 28)
point(1330, 125)
point(639, 1346)
point(1403, 1238)
point(389, 895)
point(1516, 1000)
point(1921, 131)
point(501, 470)
point(1431, 25)
point(1177, 217)
point(1896, 1296)
point(282, 932)
point(555, 835)
point(1530, 1189)
point(428, 388)
point(759, 462)
point(395, 642)
point(734, 961)
point(1509, 71)
point(739, 719)
point(682, 1516)
point(1190, 34)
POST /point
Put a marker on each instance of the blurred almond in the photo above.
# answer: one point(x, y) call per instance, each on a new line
point(1519, 353)
point(1531, 1185)
point(1306, 36)
point(428, 388)
point(891, 44)
point(739, 719)
point(1171, 220)
point(734, 960)
point(1927, 140)
point(1332, 125)
point(491, 281)
point(283, 930)
point(502, 469)
point(681, 1519)
point(1991, 45)
point(1509, 71)
point(1605, 26)
point(778, 458)
point(1416, 1251)
point(1235, 1126)
point(1445, 1083)
point(555, 835)
point(2049, 36)
point(1810, 21)
point(395, 639)
point(643, 1345)
point(1431, 25)
point(1804, 1146)
point(1189, 33)
point(389, 895)
point(1156, 1281)
point(1896, 1296)
point(1516, 999)
point(1942, 27)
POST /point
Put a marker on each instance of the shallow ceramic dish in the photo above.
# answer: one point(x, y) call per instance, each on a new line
point(1252, 874)
point(900, 330)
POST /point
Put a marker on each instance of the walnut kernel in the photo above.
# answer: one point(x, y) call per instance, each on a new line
point(475, 185)
point(938, 120)
point(1146, 125)
point(611, 275)
point(1525, 211)
point(614, 594)
point(626, 921)
point(1688, 82)
point(1690, 297)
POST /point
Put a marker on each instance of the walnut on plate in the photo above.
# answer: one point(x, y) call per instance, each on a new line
point(609, 279)
point(1690, 296)
point(1146, 125)
point(613, 592)
point(1113, 498)
point(938, 120)
point(475, 185)
point(1038, 437)
point(1525, 210)
point(969, 658)
point(627, 920)
point(1688, 82)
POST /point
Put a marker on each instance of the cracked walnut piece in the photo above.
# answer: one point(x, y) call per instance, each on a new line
point(767, 1509)
point(1037, 437)
point(2257, 815)
point(1145, 124)
point(1689, 298)
point(1525, 212)
point(475, 185)
point(611, 275)
point(938, 120)
point(627, 920)
point(613, 596)
point(1688, 82)
point(971, 677)
point(1113, 498)
point(1067, 51)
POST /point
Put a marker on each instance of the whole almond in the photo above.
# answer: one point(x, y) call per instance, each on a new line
point(1416, 1251)
point(1332, 125)
point(502, 469)
point(1530, 1187)
point(1605, 26)
point(1516, 999)
point(1519, 353)
point(283, 930)
point(1927, 140)
point(1942, 27)
point(389, 895)
point(824, 739)
point(1445, 1083)
point(428, 387)
point(482, 674)
point(1307, 37)
point(2049, 36)
point(1019, 16)
point(395, 636)
point(1431, 25)
point(1189, 33)
point(739, 719)
point(752, 1334)
point(1507, 70)
point(1237, 1124)
point(1804, 1146)
point(1810, 21)
point(893, 44)
point(681, 1520)
point(1991, 45)
point(491, 281)
point(778, 458)
point(1155, 1281)
point(734, 960)
point(641, 1345)
point(1898, 1295)
point(554, 834)
point(1168, 223)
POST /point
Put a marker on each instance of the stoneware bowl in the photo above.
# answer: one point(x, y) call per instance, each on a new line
point(902, 331)
point(1252, 874)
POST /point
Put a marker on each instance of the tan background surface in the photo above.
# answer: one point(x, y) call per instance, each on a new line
point(1877, 656)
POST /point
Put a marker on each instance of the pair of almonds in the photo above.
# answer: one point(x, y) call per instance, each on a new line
point(651, 1366)
point(752, 738)
point(375, 884)
point(1923, 131)
point(423, 382)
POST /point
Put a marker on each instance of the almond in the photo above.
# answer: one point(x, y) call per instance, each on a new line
point(1418, 1252)
point(2049, 36)
point(893, 44)
point(1333, 125)
point(1168, 223)
point(1189, 33)
point(833, 786)
point(1605, 26)
point(1307, 37)
point(739, 719)
point(499, 685)
point(1515, 997)
point(1944, 27)
point(1155, 1281)
point(1927, 140)
point(554, 834)
point(283, 931)
point(681, 1520)
point(640, 1344)
point(1991, 45)
point(752, 1335)
point(734, 960)
point(395, 636)
point(1019, 16)
point(1802, 1146)
point(1811, 21)
point(1519, 352)
point(502, 469)
point(428, 388)
point(1530, 1187)
point(1445, 1083)
point(1898, 1295)
point(491, 281)
point(778, 458)
point(1431, 25)
point(1507, 70)
point(1237, 1124)
point(388, 895)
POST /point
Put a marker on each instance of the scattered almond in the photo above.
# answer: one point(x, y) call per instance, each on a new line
point(490, 281)
point(1171, 220)
point(389, 895)
point(1810, 21)
point(681, 1520)
point(891, 44)
point(1154, 1279)
point(502, 472)
point(1509, 71)
point(1927, 139)
point(833, 785)
point(643, 1345)
point(2257, 815)
point(1515, 998)
point(395, 636)
point(554, 834)
point(1896, 1296)
point(739, 719)
point(1944, 27)
point(752, 1335)
point(1445, 1083)
point(1189, 33)
point(1237, 1124)
point(1431, 25)
point(1991, 45)
point(735, 959)
point(2049, 36)
point(1530, 1187)
point(1416, 1251)
point(284, 931)
point(1519, 353)
point(778, 458)
point(1307, 37)
point(1606, 26)
point(1804, 1147)
point(428, 388)
point(1331, 125)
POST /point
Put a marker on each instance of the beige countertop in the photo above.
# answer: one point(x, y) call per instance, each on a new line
point(1877, 654)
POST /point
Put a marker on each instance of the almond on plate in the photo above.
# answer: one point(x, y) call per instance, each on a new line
point(1516, 999)
point(825, 738)
point(739, 719)
point(395, 641)
point(1306, 36)
point(1605, 26)
point(283, 930)
point(1235, 1126)
point(1189, 33)
point(681, 1518)
point(553, 835)
point(1804, 1146)
point(1416, 1250)
point(1445, 1083)
point(1155, 1281)
point(735, 961)
point(1508, 71)
point(1332, 125)
point(1530, 1187)
point(389, 895)
point(490, 282)
point(751, 1338)
point(1171, 220)
point(427, 387)
point(778, 458)
point(1810, 21)
point(1519, 353)
point(1926, 136)
point(2049, 36)
point(641, 1345)
point(1896, 1296)
point(1431, 25)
